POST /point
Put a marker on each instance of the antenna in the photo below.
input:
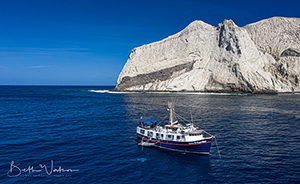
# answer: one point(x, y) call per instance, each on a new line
point(192, 116)
point(171, 109)
point(170, 104)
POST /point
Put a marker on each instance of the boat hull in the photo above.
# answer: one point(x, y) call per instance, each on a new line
point(201, 147)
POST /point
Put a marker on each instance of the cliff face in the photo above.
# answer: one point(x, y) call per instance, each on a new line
point(263, 56)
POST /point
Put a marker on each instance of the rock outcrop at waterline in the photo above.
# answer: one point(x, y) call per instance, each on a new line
point(260, 57)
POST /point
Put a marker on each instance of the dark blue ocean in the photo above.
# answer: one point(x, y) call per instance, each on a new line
point(64, 134)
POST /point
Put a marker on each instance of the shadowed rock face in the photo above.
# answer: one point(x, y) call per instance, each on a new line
point(290, 52)
point(161, 75)
point(260, 57)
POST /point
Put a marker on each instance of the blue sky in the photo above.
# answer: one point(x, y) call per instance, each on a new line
point(87, 42)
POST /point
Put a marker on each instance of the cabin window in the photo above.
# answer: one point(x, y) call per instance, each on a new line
point(195, 134)
point(169, 136)
point(157, 134)
point(142, 131)
point(162, 135)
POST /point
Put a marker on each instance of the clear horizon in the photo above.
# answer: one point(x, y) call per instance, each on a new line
point(86, 43)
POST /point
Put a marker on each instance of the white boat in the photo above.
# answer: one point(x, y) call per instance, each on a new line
point(174, 136)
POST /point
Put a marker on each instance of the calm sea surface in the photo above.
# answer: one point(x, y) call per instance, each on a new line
point(81, 135)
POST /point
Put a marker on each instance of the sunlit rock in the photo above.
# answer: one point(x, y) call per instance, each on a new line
point(260, 57)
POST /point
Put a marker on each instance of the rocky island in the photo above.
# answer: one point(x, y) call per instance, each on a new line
point(262, 57)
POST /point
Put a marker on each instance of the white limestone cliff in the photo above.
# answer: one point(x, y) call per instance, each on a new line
point(263, 56)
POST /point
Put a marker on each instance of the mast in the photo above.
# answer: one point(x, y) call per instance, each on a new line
point(171, 109)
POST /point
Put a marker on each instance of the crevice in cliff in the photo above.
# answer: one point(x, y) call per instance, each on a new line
point(227, 37)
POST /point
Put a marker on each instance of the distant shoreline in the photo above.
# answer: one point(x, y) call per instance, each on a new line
point(113, 90)
point(56, 85)
point(262, 92)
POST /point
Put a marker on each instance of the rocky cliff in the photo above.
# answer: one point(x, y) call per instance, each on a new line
point(260, 57)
